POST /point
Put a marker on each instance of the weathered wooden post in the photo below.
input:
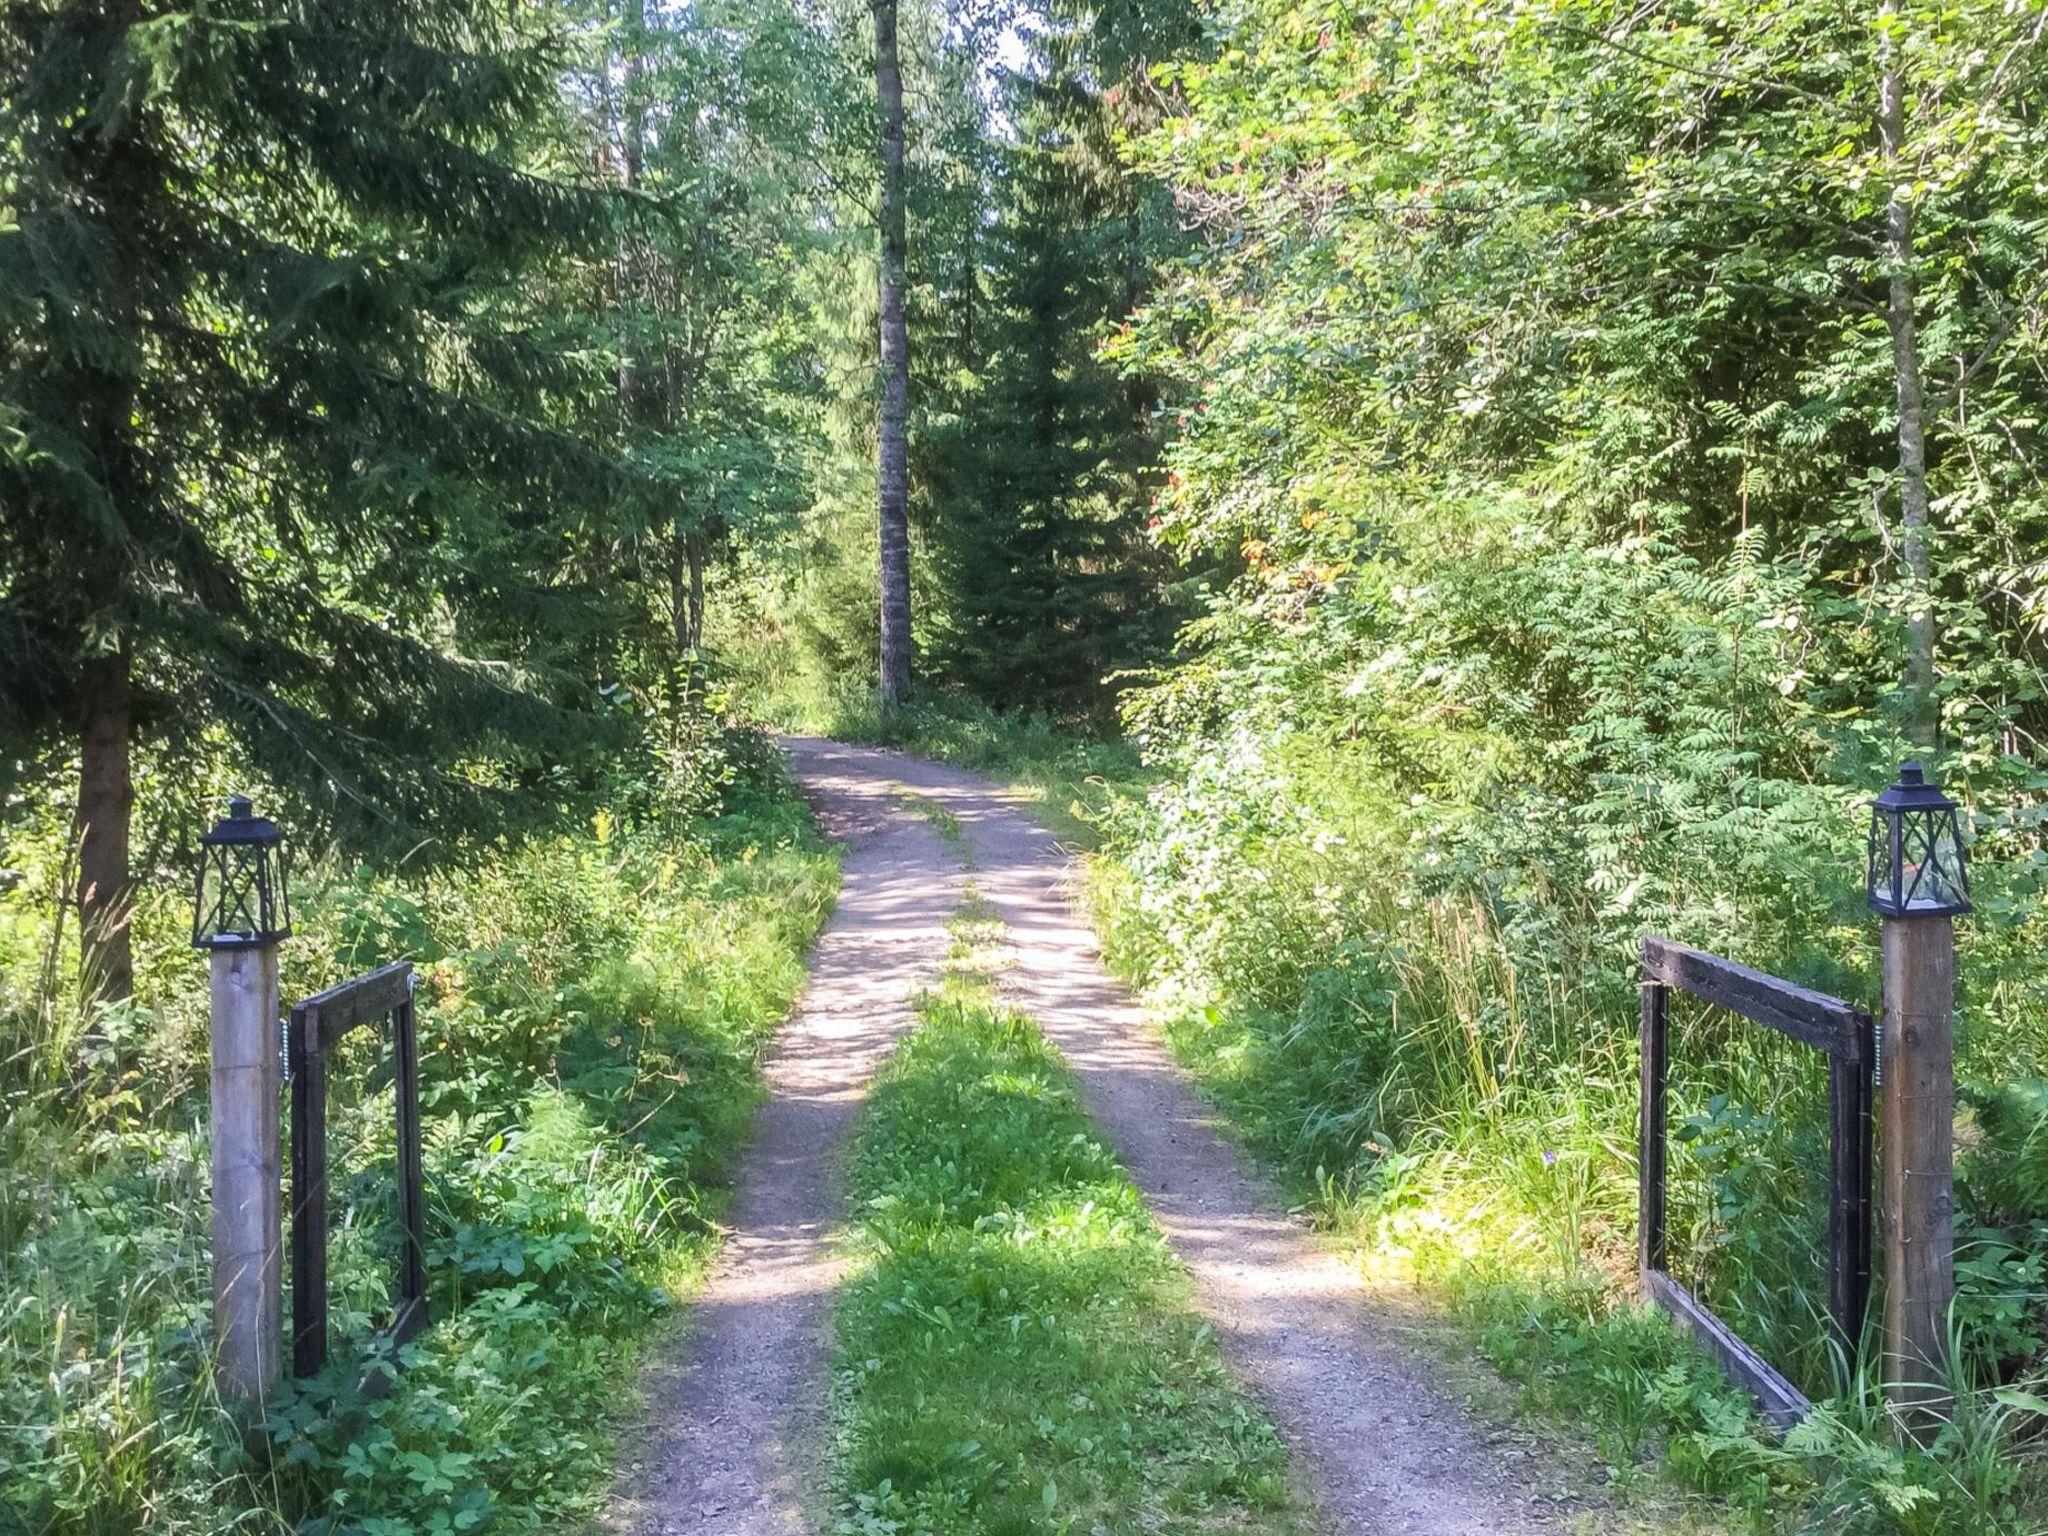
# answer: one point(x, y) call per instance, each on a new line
point(243, 913)
point(1917, 883)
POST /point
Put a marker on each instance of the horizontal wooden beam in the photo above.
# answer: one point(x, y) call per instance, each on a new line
point(326, 1016)
point(1827, 1023)
point(1781, 1404)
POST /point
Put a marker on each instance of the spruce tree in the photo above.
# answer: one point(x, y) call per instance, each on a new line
point(1048, 582)
point(280, 451)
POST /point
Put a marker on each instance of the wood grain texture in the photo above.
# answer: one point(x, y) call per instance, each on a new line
point(1919, 1163)
point(1826, 1023)
point(1781, 1404)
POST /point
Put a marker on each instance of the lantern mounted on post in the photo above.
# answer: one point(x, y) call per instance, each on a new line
point(1916, 851)
point(243, 897)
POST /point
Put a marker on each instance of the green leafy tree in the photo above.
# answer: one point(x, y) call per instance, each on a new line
point(1647, 271)
point(710, 114)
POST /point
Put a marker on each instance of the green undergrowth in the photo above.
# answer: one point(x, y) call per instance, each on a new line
point(592, 1006)
point(1016, 1350)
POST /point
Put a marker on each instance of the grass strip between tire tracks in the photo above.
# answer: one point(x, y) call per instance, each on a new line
point(1017, 1351)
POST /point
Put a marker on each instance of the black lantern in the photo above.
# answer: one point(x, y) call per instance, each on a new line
point(1916, 850)
point(242, 900)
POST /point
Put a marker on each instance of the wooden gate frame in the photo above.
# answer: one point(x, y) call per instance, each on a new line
point(1846, 1036)
point(316, 1024)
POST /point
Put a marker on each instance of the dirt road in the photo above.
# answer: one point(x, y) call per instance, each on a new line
point(736, 1421)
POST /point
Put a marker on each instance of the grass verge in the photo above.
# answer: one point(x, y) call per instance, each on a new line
point(1017, 1353)
point(1379, 1080)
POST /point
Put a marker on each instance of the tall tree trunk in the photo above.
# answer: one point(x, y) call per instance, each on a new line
point(106, 805)
point(632, 160)
point(893, 471)
point(695, 547)
point(1900, 315)
point(686, 590)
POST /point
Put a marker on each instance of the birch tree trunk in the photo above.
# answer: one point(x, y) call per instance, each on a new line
point(893, 474)
point(1900, 315)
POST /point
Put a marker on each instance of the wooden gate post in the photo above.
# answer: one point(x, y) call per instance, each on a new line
point(242, 914)
point(247, 1232)
point(1917, 883)
point(1918, 1055)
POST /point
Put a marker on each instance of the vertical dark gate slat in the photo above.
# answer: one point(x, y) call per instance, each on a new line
point(1851, 1092)
point(1864, 1229)
point(413, 1263)
point(309, 1196)
point(1650, 1242)
point(1845, 1192)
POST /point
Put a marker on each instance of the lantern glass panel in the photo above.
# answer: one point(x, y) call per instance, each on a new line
point(1931, 877)
point(1883, 863)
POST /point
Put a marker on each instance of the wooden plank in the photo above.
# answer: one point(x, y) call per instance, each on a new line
point(1866, 1135)
point(1781, 1404)
point(1848, 1203)
point(1827, 1023)
point(1650, 1127)
point(309, 1199)
point(331, 1014)
point(1841, 1199)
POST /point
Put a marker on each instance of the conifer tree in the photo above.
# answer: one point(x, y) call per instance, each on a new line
point(1048, 582)
point(280, 452)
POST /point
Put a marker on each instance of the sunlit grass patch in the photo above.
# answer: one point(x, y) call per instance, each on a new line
point(1017, 1351)
point(925, 808)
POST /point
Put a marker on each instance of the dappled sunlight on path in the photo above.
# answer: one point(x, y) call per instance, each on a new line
point(736, 1425)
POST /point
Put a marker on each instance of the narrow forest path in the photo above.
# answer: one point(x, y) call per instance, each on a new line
point(736, 1424)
